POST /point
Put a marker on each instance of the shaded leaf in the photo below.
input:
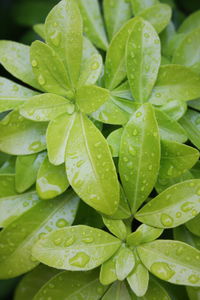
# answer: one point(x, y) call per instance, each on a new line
point(117, 291)
point(40, 30)
point(181, 233)
point(7, 185)
point(194, 225)
point(190, 23)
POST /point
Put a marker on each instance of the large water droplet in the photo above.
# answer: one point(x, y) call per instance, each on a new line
point(69, 241)
point(88, 240)
point(57, 241)
point(34, 63)
point(35, 146)
point(55, 38)
point(61, 223)
point(41, 80)
point(187, 206)
point(166, 220)
point(162, 270)
point(79, 260)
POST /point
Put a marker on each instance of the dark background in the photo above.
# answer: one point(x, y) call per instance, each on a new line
point(16, 20)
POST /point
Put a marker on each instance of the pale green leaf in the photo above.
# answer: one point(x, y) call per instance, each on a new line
point(143, 234)
point(108, 270)
point(123, 91)
point(123, 211)
point(140, 5)
point(117, 227)
point(190, 23)
point(40, 30)
point(175, 109)
point(125, 262)
point(114, 140)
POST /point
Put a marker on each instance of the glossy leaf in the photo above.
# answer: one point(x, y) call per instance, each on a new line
point(117, 291)
point(76, 248)
point(191, 124)
point(142, 59)
point(182, 234)
point(27, 167)
point(195, 104)
point(68, 284)
point(26, 137)
point(63, 28)
point(176, 159)
point(158, 15)
point(194, 225)
point(117, 227)
point(166, 37)
point(175, 82)
point(172, 261)
point(22, 234)
point(140, 5)
point(123, 91)
point(138, 279)
point(139, 164)
point(89, 98)
point(12, 95)
point(116, 14)
point(143, 234)
point(187, 53)
point(125, 262)
point(190, 23)
point(123, 211)
point(51, 180)
point(7, 185)
point(90, 169)
point(40, 30)
point(93, 22)
point(175, 109)
point(8, 166)
point(33, 281)
point(173, 207)
point(15, 58)
point(114, 140)
point(49, 69)
point(45, 107)
point(115, 66)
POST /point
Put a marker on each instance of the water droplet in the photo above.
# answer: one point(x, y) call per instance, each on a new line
point(187, 206)
point(194, 212)
point(51, 285)
point(130, 165)
point(191, 184)
point(35, 146)
point(193, 278)
point(95, 65)
point(135, 132)
point(162, 270)
point(166, 220)
point(178, 214)
point(179, 250)
point(80, 163)
point(26, 203)
point(88, 240)
point(41, 80)
point(99, 156)
point(146, 35)
point(61, 223)
point(69, 241)
point(138, 114)
point(125, 159)
point(150, 167)
point(57, 241)
point(170, 171)
point(132, 151)
point(79, 260)
point(34, 63)
point(97, 144)
point(55, 38)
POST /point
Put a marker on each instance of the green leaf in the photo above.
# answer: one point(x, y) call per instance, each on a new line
point(18, 238)
point(108, 270)
point(114, 140)
point(117, 291)
point(191, 124)
point(173, 207)
point(116, 111)
point(49, 69)
point(166, 37)
point(190, 23)
point(143, 234)
point(123, 91)
point(51, 180)
point(176, 159)
point(138, 163)
point(117, 227)
point(182, 234)
point(7, 185)
point(63, 28)
point(90, 169)
point(175, 109)
point(19, 136)
point(15, 58)
point(193, 292)
point(116, 14)
point(45, 107)
point(70, 285)
point(33, 282)
point(91, 65)
point(187, 53)
point(195, 104)
point(139, 6)
point(138, 279)
point(27, 167)
point(169, 129)
point(175, 82)
point(93, 22)
point(194, 225)
point(89, 98)
point(76, 248)
point(125, 262)
point(123, 211)
point(115, 66)
point(142, 59)
point(8, 167)
point(40, 30)
point(13, 95)
point(158, 15)
point(172, 261)
point(14, 205)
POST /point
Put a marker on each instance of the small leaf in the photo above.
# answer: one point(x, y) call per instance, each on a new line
point(19, 136)
point(125, 262)
point(15, 58)
point(31, 283)
point(117, 291)
point(57, 136)
point(158, 15)
point(49, 69)
point(13, 95)
point(18, 238)
point(143, 234)
point(63, 30)
point(114, 140)
point(181, 233)
point(138, 279)
point(67, 285)
point(90, 169)
point(76, 248)
point(173, 207)
point(139, 164)
point(172, 261)
point(93, 22)
point(175, 82)
point(51, 180)
point(40, 30)
point(140, 5)
point(176, 159)
point(116, 14)
point(117, 227)
point(190, 23)
point(194, 225)
point(123, 91)
point(123, 211)
point(175, 109)
point(90, 98)
point(108, 270)
point(7, 185)
point(45, 107)
point(191, 123)
point(142, 59)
